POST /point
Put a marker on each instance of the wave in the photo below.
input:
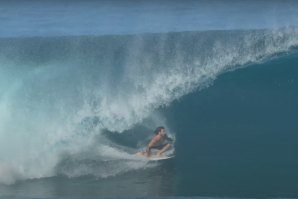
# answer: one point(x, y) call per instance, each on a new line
point(60, 94)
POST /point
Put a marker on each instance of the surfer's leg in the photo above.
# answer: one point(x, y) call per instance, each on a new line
point(166, 147)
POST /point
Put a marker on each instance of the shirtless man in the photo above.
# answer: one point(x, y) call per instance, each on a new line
point(160, 141)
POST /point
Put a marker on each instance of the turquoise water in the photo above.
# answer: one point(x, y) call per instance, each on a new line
point(78, 100)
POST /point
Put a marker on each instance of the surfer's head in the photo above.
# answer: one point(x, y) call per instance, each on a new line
point(159, 129)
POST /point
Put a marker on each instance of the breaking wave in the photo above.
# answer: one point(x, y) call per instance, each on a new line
point(61, 95)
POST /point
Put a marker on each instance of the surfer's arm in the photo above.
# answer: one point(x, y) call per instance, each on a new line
point(148, 151)
point(150, 145)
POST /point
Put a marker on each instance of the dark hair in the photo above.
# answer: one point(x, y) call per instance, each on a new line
point(158, 129)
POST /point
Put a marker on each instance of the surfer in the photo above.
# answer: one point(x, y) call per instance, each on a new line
point(160, 142)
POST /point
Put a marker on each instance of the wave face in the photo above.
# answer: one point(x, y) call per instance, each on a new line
point(242, 130)
point(59, 95)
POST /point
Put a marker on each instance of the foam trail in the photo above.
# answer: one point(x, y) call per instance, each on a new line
point(59, 94)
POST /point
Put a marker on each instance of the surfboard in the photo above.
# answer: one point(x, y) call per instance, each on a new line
point(154, 157)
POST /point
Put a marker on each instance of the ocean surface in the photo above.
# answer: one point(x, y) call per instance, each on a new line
point(83, 85)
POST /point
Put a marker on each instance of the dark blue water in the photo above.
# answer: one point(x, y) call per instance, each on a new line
point(85, 92)
point(238, 137)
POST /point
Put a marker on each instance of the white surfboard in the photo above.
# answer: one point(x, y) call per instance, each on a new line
point(155, 157)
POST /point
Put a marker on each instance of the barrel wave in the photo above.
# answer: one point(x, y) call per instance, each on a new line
point(61, 97)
